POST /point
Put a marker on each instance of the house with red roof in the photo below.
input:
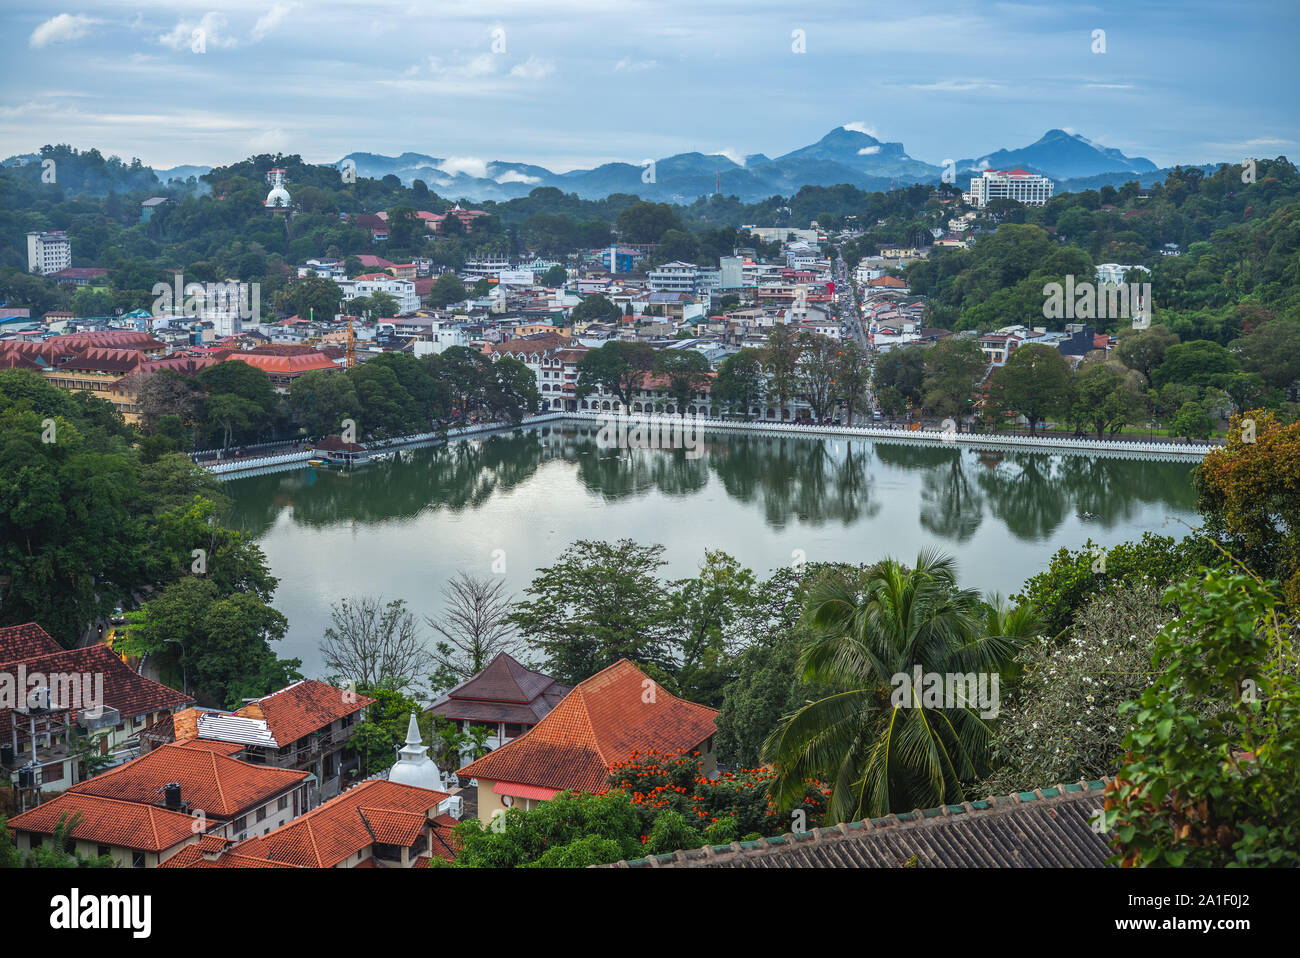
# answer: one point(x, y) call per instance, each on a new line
point(506, 699)
point(50, 697)
point(377, 824)
point(306, 726)
point(232, 798)
point(618, 711)
point(131, 834)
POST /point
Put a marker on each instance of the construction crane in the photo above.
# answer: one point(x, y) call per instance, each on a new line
point(350, 351)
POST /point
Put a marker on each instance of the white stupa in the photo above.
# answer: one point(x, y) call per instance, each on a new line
point(278, 198)
point(414, 767)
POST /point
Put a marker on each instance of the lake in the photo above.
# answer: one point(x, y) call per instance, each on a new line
point(402, 529)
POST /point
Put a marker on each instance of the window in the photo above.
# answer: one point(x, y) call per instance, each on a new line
point(261, 813)
point(137, 859)
point(282, 804)
point(241, 823)
point(102, 850)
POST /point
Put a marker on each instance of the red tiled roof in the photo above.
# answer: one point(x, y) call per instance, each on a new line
point(284, 365)
point(223, 787)
point(391, 827)
point(306, 706)
point(131, 694)
point(25, 642)
point(107, 821)
point(505, 691)
point(191, 856)
point(333, 832)
point(602, 721)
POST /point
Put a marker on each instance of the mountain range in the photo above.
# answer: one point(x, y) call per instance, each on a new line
point(843, 155)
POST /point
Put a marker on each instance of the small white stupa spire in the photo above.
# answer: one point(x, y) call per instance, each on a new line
point(413, 766)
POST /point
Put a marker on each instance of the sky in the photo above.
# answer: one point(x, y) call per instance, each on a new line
point(573, 83)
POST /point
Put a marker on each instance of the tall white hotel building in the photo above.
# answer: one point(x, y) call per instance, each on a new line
point(1027, 188)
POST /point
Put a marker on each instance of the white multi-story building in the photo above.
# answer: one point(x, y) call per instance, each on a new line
point(1019, 185)
point(489, 267)
point(402, 290)
point(674, 277)
point(48, 252)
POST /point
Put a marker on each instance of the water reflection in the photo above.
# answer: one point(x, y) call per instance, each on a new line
point(788, 479)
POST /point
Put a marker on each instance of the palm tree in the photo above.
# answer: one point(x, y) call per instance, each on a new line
point(869, 629)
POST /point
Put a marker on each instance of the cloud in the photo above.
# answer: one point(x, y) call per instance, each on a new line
point(733, 155)
point(1108, 86)
point(468, 165)
point(61, 29)
point(627, 65)
point(869, 150)
point(270, 20)
point(514, 176)
point(860, 127)
point(212, 28)
point(533, 69)
point(957, 86)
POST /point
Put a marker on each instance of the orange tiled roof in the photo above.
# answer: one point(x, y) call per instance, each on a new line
point(223, 787)
point(333, 832)
point(107, 821)
point(304, 707)
point(392, 827)
point(191, 856)
point(284, 364)
point(602, 721)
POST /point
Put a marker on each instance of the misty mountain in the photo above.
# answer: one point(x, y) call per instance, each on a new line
point(1062, 156)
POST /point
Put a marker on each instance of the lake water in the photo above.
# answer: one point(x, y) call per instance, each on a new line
point(402, 529)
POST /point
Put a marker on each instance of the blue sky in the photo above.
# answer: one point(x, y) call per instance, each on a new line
point(573, 83)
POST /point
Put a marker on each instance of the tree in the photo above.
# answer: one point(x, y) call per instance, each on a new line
point(512, 389)
point(218, 645)
point(321, 400)
point(555, 277)
point(1195, 363)
point(819, 363)
point(1062, 721)
point(952, 369)
point(598, 603)
point(1034, 382)
point(472, 629)
point(166, 393)
point(781, 362)
point(595, 308)
point(1273, 351)
point(375, 645)
point(617, 367)
point(878, 752)
point(1249, 494)
point(1144, 349)
point(710, 615)
point(447, 289)
point(644, 222)
point(687, 372)
point(900, 373)
point(852, 375)
point(740, 381)
point(314, 296)
point(1209, 776)
point(1105, 399)
point(1192, 422)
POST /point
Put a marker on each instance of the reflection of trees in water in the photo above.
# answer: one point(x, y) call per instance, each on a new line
point(951, 507)
point(456, 476)
point(807, 478)
point(619, 473)
point(815, 480)
point(1024, 492)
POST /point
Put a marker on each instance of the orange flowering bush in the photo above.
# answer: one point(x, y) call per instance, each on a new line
point(656, 781)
